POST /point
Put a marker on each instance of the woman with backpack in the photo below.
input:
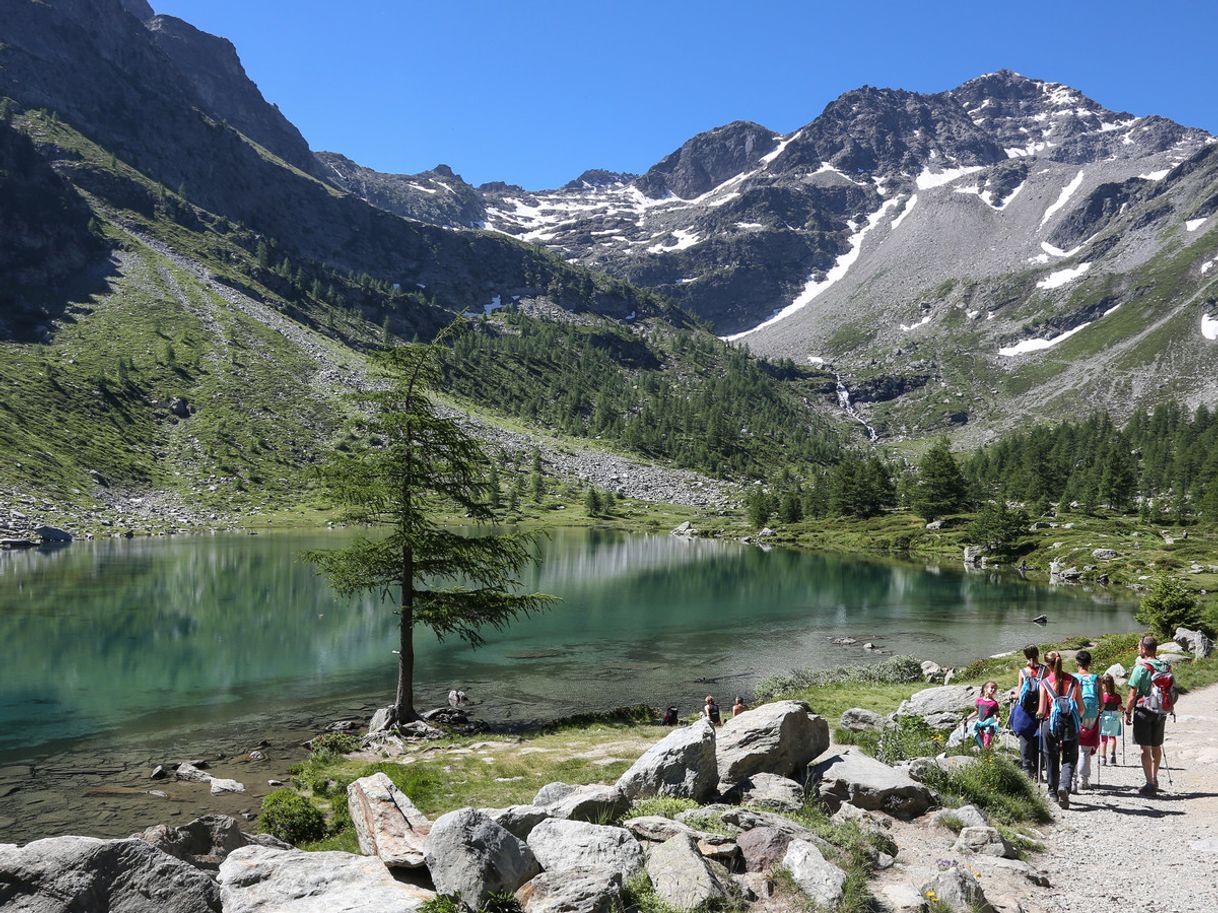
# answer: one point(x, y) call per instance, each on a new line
point(1061, 702)
point(1023, 719)
point(1089, 711)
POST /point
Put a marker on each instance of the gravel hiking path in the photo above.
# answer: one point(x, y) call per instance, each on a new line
point(1115, 850)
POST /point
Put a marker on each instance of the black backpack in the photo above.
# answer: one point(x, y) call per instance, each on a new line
point(712, 711)
point(1029, 696)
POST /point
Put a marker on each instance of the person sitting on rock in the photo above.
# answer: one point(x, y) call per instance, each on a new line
point(670, 716)
point(710, 710)
point(738, 707)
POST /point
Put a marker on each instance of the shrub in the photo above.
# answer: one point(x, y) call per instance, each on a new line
point(333, 743)
point(662, 806)
point(1169, 605)
point(996, 786)
point(911, 737)
point(291, 817)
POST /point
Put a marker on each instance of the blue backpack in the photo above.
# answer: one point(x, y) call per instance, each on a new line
point(1090, 685)
point(1064, 721)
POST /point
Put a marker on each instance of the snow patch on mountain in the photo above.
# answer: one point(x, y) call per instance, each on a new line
point(1036, 344)
point(838, 271)
point(928, 179)
point(905, 328)
point(1209, 326)
point(1063, 199)
point(1155, 175)
point(684, 238)
point(908, 208)
point(1194, 224)
point(1063, 276)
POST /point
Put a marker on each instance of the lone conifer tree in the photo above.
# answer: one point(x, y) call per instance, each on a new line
point(940, 488)
point(412, 464)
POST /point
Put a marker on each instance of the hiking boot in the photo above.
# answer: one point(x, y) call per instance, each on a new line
point(1086, 782)
point(1148, 790)
point(1103, 760)
point(1063, 798)
point(1113, 761)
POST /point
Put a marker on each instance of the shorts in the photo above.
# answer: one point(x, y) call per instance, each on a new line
point(1148, 727)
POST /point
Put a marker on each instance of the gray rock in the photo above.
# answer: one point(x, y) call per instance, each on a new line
point(967, 815)
point(771, 791)
point(754, 886)
point(681, 876)
point(387, 824)
point(560, 845)
point(943, 707)
point(53, 534)
point(381, 721)
point(999, 864)
point(1196, 641)
point(932, 671)
point(856, 719)
point(179, 407)
point(778, 738)
point(158, 773)
point(219, 785)
point(62, 874)
point(572, 891)
point(191, 773)
point(972, 554)
point(595, 802)
point(983, 841)
point(553, 792)
point(935, 524)
point(257, 879)
point(681, 765)
point(518, 820)
point(656, 828)
point(818, 878)
point(866, 783)
point(1116, 670)
point(205, 841)
point(1104, 554)
point(469, 855)
point(762, 848)
point(958, 891)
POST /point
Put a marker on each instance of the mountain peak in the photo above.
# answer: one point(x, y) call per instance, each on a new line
point(708, 159)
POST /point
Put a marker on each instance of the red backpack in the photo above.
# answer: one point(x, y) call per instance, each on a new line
point(1163, 694)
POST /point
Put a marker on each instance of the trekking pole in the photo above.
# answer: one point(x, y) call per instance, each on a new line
point(1164, 765)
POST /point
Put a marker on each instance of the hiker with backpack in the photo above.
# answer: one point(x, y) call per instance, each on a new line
point(1061, 701)
point(1089, 711)
point(1152, 696)
point(710, 710)
point(1110, 718)
point(1023, 720)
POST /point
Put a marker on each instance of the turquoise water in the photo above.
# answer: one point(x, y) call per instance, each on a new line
point(138, 639)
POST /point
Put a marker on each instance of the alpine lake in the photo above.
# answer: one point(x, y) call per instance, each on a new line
point(119, 655)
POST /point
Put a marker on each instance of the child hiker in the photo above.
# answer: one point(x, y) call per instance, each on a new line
point(1110, 718)
point(987, 714)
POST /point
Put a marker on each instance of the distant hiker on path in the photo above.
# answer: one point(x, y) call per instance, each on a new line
point(1023, 719)
point(710, 710)
point(738, 707)
point(1152, 696)
point(1061, 701)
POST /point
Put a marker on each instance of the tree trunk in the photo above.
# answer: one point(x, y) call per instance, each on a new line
point(403, 705)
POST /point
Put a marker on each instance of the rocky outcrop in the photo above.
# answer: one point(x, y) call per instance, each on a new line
point(561, 845)
point(778, 738)
point(681, 765)
point(681, 876)
point(572, 891)
point(206, 841)
point(958, 891)
point(469, 855)
point(265, 880)
point(387, 824)
point(518, 820)
point(983, 841)
point(821, 880)
point(762, 848)
point(966, 815)
point(594, 802)
point(856, 719)
point(1196, 641)
point(866, 783)
point(943, 707)
point(85, 874)
point(770, 791)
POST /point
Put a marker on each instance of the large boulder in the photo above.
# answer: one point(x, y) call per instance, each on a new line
point(681, 876)
point(681, 765)
point(572, 891)
point(257, 879)
point(770, 791)
point(595, 802)
point(553, 792)
point(87, 874)
point(866, 783)
point(957, 890)
point(518, 820)
point(983, 841)
point(560, 845)
point(469, 855)
point(762, 848)
point(943, 707)
point(205, 841)
point(966, 815)
point(817, 877)
point(778, 738)
point(387, 824)
point(856, 719)
point(1196, 641)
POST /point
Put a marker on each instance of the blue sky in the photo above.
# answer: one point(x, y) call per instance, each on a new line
point(535, 91)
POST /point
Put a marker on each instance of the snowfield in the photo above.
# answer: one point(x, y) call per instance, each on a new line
point(1062, 276)
point(928, 179)
point(1209, 326)
point(1063, 199)
point(1194, 224)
